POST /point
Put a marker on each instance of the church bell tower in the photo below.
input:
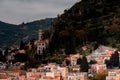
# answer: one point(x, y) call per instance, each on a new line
point(40, 35)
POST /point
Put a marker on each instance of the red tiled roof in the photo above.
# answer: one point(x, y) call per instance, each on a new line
point(18, 71)
point(34, 76)
point(47, 77)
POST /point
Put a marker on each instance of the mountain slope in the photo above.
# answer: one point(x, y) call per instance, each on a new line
point(13, 34)
point(87, 21)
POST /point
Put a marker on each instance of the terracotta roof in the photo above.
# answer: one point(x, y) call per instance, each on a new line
point(19, 71)
point(47, 77)
point(4, 77)
point(34, 76)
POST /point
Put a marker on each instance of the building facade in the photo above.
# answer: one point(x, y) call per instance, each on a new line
point(41, 44)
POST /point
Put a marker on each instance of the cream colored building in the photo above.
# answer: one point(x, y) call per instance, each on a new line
point(113, 74)
point(77, 76)
point(74, 58)
point(41, 44)
point(98, 67)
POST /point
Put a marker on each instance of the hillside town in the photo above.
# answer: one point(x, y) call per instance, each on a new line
point(82, 43)
point(73, 66)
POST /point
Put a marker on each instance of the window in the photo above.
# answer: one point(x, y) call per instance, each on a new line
point(69, 78)
point(39, 48)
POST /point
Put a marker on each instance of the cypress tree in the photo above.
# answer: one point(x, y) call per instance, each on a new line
point(79, 61)
point(84, 65)
point(22, 45)
point(114, 59)
point(2, 57)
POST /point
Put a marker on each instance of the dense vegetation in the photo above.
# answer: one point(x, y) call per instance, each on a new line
point(12, 34)
point(85, 22)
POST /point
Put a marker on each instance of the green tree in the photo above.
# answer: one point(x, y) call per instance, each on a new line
point(6, 52)
point(108, 63)
point(114, 59)
point(93, 62)
point(67, 62)
point(111, 41)
point(46, 34)
point(63, 33)
point(2, 57)
point(81, 35)
point(22, 45)
point(21, 57)
point(79, 61)
point(84, 65)
point(32, 62)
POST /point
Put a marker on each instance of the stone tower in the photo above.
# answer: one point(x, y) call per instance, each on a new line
point(40, 34)
point(41, 43)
